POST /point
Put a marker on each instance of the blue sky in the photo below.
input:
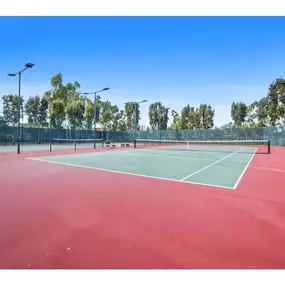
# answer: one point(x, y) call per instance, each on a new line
point(176, 60)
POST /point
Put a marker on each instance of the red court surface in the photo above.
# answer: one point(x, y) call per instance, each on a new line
point(57, 216)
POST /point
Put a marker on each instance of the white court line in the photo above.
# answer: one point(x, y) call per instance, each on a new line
point(243, 172)
point(206, 167)
point(128, 173)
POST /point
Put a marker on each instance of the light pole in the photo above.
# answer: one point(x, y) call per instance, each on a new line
point(19, 73)
point(95, 95)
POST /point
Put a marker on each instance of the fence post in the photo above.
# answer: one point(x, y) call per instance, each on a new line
point(75, 138)
point(50, 138)
point(5, 133)
point(22, 135)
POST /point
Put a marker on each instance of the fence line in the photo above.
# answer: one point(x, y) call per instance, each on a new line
point(8, 135)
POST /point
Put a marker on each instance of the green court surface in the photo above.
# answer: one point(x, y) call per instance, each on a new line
point(221, 169)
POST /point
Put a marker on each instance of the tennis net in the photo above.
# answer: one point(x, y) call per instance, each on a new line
point(74, 143)
point(240, 146)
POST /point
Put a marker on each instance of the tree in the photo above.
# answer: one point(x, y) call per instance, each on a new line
point(118, 119)
point(191, 117)
point(186, 122)
point(250, 119)
point(280, 84)
point(158, 116)
point(206, 116)
point(100, 105)
point(238, 113)
point(10, 108)
point(203, 112)
point(234, 112)
point(75, 110)
point(229, 125)
point(2, 121)
point(153, 115)
point(194, 119)
point(211, 115)
point(36, 110)
point(63, 96)
point(89, 114)
point(121, 123)
point(43, 111)
point(197, 119)
point(56, 81)
point(106, 114)
point(32, 110)
point(57, 111)
point(130, 108)
point(272, 96)
point(262, 109)
point(176, 121)
point(163, 118)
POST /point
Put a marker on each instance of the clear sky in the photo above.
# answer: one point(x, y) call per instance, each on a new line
point(176, 60)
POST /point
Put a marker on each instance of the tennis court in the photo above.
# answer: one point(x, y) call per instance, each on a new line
point(152, 204)
point(220, 164)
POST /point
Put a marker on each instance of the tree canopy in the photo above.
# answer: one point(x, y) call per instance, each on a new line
point(64, 104)
point(268, 111)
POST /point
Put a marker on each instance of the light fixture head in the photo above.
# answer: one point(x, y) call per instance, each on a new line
point(29, 65)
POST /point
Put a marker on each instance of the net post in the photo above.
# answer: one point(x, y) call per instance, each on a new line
point(269, 146)
point(135, 143)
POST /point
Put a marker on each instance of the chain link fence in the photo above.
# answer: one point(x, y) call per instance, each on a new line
point(9, 135)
